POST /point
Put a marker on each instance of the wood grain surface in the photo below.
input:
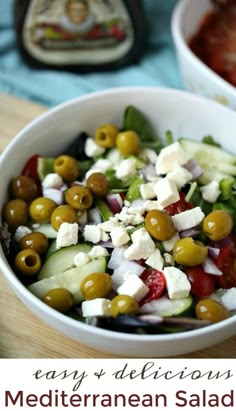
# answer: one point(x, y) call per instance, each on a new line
point(22, 335)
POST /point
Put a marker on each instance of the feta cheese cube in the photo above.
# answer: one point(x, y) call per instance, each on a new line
point(104, 236)
point(98, 307)
point(166, 191)
point(98, 251)
point(188, 219)
point(169, 259)
point(169, 158)
point(126, 169)
point(156, 260)
point(52, 180)
point(211, 191)
point(228, 299)
point(81, 259)
point(102, 165)
point(177, 283)
point(114, 156)
point(142, 246)
point(136, 207)
point(152, 205)
point(67, 235)
point(92, 233)
point(134, 287)
point(119, 236)
point(110, 224)
point(169, 244)
point(129, 217)
point(147, 191)
point(21, 232)
point(149, 155)
point(180, 175)
point(92, 149)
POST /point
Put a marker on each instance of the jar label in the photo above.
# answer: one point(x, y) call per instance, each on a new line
point(72, 32)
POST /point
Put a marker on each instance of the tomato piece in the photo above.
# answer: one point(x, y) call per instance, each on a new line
point(226, 263)
point(180, 205)
point(31, 168)
point(202, 283)
point(156, 283)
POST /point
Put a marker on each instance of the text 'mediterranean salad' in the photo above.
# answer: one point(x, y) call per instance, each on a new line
point(126, 233)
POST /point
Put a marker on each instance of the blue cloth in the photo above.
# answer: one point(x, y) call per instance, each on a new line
point(157, 67)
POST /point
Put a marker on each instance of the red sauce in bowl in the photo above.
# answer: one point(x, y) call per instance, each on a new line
point(215, 41)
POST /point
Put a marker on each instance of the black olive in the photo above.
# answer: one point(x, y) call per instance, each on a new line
point(76, 147)
point(149, 324)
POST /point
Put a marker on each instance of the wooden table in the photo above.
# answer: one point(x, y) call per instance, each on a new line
point(22, 335)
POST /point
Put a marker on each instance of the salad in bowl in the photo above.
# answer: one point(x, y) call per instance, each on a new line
point(118, 228)
point(125, 232)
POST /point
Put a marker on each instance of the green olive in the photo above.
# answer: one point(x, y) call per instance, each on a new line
point(159, 225)
point(207, 309)
point(189, 252)
point(217, 225)
point(98, 184)
point(23, 187)
point(96, 285)
point(63, 214)
point(105, 135)
point(79, 197)
point(16, 213)
point(36, 241)
point(60, 299)
point(28, 262)
point(128, 143)
point(67, 167)
point(41, 209)
point(123, 304)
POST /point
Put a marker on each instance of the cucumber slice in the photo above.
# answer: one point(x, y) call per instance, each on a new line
point(213, 174)
point(69, 279)
point(216, 163)
point(164, 307)
point(206, 153)
point(45, 229)
point(62, 260)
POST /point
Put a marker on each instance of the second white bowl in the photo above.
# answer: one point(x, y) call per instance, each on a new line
point(196, 76)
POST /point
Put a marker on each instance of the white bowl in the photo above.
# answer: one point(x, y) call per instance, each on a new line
point(186, 115)
point(196, 76)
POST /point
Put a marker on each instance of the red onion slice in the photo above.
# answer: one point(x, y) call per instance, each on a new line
point(190, 232)
point(193, 167)
point(115, 202)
